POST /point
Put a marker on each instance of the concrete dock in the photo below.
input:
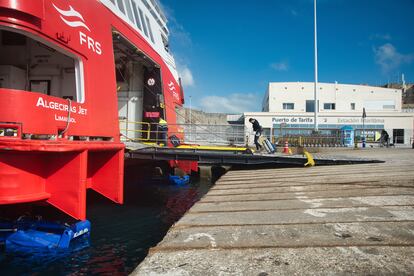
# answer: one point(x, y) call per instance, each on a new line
point(349, 219)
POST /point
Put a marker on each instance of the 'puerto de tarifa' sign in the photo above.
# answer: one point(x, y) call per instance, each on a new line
point(326, 120)
point(292, 120)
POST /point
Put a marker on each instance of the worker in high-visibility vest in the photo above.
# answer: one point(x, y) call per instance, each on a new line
point(162, 131)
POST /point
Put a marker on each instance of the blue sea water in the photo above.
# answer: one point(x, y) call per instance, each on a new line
point(121, 235)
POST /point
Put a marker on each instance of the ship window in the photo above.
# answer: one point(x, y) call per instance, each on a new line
point(42, 68)
point(149, 29)
point(144, 25)
point(165, 42)
point(121, 6)
point(352, 106)
point(129, 11)
point(137, 19)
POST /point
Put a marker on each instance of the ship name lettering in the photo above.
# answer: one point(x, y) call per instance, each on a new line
point(64, 119)
point(54, 105)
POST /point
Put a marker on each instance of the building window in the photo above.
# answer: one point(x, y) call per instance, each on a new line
point(380, 105)
point(288, 106)
point(329, 106)
point(388, 106)
point(352, 106)
point(398, 136)
point(310, 106)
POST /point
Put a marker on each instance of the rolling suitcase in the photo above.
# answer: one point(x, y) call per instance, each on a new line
point(267, 145)
point(175, 141)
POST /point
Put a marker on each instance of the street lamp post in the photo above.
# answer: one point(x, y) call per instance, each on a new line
point(316, 70)
point(190, 111)
point(364, 115)
point(191, 126)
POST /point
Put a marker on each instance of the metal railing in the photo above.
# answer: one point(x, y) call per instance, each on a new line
point(310, 141)
point(200, 134)
point(225, 135)
point(205, 134)
point(134, 131)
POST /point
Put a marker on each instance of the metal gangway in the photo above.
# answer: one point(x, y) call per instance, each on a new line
point(209, 144)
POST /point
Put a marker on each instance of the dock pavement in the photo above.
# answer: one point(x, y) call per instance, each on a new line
point(337, 220)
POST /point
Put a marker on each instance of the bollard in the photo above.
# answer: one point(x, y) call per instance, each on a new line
point(286, 148)
point(310, 162)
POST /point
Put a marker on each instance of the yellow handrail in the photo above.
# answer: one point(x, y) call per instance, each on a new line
point(141, 130)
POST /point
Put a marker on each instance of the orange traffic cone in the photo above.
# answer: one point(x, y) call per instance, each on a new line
point(286, 148)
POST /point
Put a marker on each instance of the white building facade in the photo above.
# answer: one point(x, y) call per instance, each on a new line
point(288, 110)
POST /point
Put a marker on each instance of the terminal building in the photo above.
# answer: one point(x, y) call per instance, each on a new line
point(288, 110)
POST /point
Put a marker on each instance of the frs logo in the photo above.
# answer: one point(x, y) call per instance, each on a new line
point(72, 13)
point(74, 19)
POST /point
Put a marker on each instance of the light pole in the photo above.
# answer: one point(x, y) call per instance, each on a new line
point(364, 115)
point(316, 70)
point(191, 126)
point(190, 110)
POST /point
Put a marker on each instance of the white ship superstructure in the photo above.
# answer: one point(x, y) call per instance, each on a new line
point(147, 18)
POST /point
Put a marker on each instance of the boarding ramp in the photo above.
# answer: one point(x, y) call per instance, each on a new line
point(237, 157)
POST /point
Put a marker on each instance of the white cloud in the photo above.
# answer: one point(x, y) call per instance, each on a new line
point(186, 76)
point(179, 34)
point(234, 103)
point(181, 38)
point(280, 66)
point(177, 31)
point(380, 37)
point(389, 59)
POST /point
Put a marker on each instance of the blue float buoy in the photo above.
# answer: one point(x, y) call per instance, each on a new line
point(25, 235)
point(179, 180)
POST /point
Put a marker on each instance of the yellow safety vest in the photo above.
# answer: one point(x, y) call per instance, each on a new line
point(162, 122)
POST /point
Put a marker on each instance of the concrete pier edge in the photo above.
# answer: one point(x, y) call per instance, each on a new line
point(348, 219)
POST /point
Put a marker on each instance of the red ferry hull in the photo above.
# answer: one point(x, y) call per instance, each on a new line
point(59, 170)
point(61, 174)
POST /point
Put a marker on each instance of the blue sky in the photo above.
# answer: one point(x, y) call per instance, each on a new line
point(227, 51)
